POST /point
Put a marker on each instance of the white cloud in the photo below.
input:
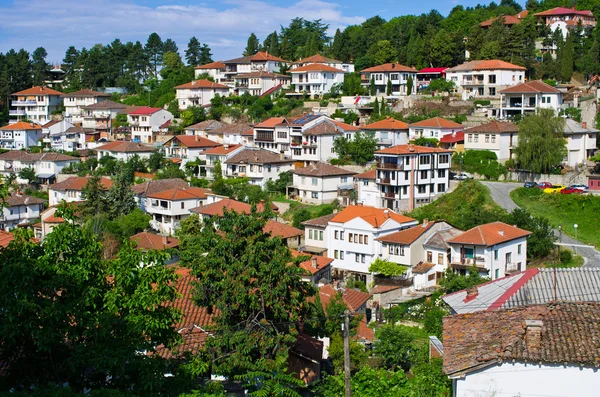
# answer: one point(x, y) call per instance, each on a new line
point(83, 23)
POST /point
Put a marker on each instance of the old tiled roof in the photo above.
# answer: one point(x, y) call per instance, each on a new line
point(125, 147)
point(230, 129)
point(85, 93)
point(105, 105)
point(569, 335)
point(412, 149)
point(222, 150)
point(492, 64)
point(388, 123)
point(406, 236)
point(272, 90)
point(321, 169)
point(38, 90)
point(77, 183)
point(21, 126)
point(270, 122)
point(490, 234)
point(321, 262)
point(437, 122)
point(51, 123)
point(265, 56)
point(256, 156)
point(212, 65)
point(563, 11)
point(245, 59)
point(422, 267)
point(80, 130)
point(262, 74)
point(33, 157)
point(345, 126)
point(205, 125)
point(186, 193)
point(494, 127)
point(21, 199)
point(144, 110)
point(573, 127)
point(192, 141)
point(278, 229)
point(217, 208)
point(316, 67)
point(318, 58)
point(507, 19)
point(5, 238)
point(382, 289)
point(323, 128)
point(321, 221)
point(159, 185)
point(390, 67)
point(366, 175)
point(530, 87)
point(353, 298)
point(453, 138)
point(151, 241)
point(202, 84)
point(376, 217)
point(439, 238)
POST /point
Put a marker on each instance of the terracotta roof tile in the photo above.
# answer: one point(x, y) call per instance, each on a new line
point(270, 122)
point(38, 90)
point(33, 157)
point(494, 127)
point(437, 122)
point(376, 217)
point(77, 183)
point(412, 149)
point(262, 74)
point(353, 298)
point(323, 128)
point(206, 125)
point(217, 208)
point(230, 129)
point(535, 86)
point(125, 147)
point(151, 241)
point(22, 199)
point(422, 267)
point(366, 175)
point(318, 58)
point(491, 64)
point(5, 238)
point(20, 126)
point(316, 67)
point(321, 221)
point(382, 289)
point(212, 65)
point(388, 123)
point(265, 56)
point(256, 156)
point(453, 138)
point(406, 236)
point(103, 105)
point(222, 150)
point(160, 185)
point(201, 84)
point(278, 229)
point(186, 193)
point(563, 11)
point(309, 265)
point(321, 169)
point(193, 141)
point(390, 67)
point(490, 234)
point(345, 126)
point(144, 110)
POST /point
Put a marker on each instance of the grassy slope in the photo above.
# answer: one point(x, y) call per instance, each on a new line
point(564, 210)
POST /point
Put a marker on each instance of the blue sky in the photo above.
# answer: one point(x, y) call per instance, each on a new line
point(224, 25)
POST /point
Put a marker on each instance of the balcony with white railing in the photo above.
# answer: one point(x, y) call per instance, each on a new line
point(23, 103)
point(16, 112)
point(512, 267)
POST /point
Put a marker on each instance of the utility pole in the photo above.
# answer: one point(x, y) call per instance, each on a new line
point(347, 352)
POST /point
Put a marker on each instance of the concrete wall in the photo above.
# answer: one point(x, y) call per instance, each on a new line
point(567, 179)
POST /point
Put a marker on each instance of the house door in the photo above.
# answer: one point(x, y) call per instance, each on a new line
point(508, 258)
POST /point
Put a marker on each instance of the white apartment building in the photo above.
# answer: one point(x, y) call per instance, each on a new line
point(315, 235)
point(485, 78)
point(216, 70)
point(320, 59)
point(367, 192)
point(19, 210)
point(203, 128)
point(495, 249)
point(52, 131)
point(168, 208)
point(396, 73)
point(526, 98)
point(146, 122)
point(496, 136)
point(410, 175)
point(187, 147)
point(316, 78)
point(258, 165)
point(123, 150)
point(319, 182)
point(75, 138)
point(352, 233)
point(251, 63)
point(435, 127)
point(47, 165)
point(199, 93)
point(71, 189)
point(20, 135)
point(260, 82)
point(100, 116)
point(75, 102)
point(218, 154)
point(581, 142)
point(388, 132)
point(36, 104)
point(232, 134)
point(143, 190)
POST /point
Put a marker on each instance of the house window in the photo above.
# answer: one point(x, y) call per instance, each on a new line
point(310, 234)
point(182, 205)
point(400, 250)
point(441, 188)
point(357, 258)
point(320, 235)
point(495, 255)
point(314, 181)
point(366, 239)
point(344, 179)
point(476, 138)
point(360, 238)
point(391, 249)
point(342, 255)
point(441, 173)
point(423, 174)
point(362, 258)
point(336, 235)
point(492, 79)
point(350, 237)
point(422, 189)
point(440, 259)
point(492, 91)
point(394, 76)
point(429, 256)
point(470, 138)
point(519, 249)
point(341, 235)
point(335, 254)
point(365, 182)
point(314, 195)
point(424, 160)
point(431, 277)
point(493, 138)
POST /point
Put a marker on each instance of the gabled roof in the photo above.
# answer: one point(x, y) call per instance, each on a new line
point(193, 141)
point(432, 70)
point(245, 59)
point(309, 265)
point(21, 126)
point(186, 193)
point(144, 110)
point(205, 125)
point(563, 11)
point(388, 123)
point(160, 185)
point(270, 122)
point(125, 147)
point(85, 93)
point(376, 217)
point(105, 105)
point(16, 199)
point(321, 221)
point(222, 150)
point(573, 127)
point(344, 126)
point(439, 238)
point(568, 333)
point(261, 74)
point(38, 90)
point(272, 90)
point(33, 157)
point(406, 236)
point(230, 129)
point(321, 169)
point(494, 127)
point(323, 128)
point(506, 19)
point(353, 298)
point(77, 183)
point(51, 123)
point(219, 207)
point(367, 175)
point(316, 67)
point(263, 56)
point(318, 58)
point(202, 85)
point(389, 67)
point(437, 122)
point(412, 149)
point(453, 138)
point(212, 65)
point(490, 234)
point(490, 64)
point(256, 156)
point(5, 238)
point(278, 229)
point(151, 241)
point(530, 87)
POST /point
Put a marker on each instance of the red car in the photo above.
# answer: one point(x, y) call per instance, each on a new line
point(571, 190)
point(544, 185)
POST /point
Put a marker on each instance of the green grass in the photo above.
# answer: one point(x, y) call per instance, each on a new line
point(295, 206)
point(564, 210)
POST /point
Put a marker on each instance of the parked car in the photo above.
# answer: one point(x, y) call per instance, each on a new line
point(462, 176)
point(530, 184)
point(554, 189)
point(580, 186)
point(544, 185)
point(571, 190)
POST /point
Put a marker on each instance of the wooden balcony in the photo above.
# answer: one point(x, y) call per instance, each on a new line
point(390, 166)
point(383, 181)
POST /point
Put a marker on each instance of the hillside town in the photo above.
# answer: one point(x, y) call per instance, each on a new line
point(346, 213)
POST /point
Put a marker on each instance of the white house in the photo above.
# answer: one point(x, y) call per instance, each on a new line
point(495, 249)
point(146, 122)
point(526, 98)
point(320, 59)
point(203, 128)
point(316, 237)
point(20, 135)
point(396, 73)
point(53, 131)
point(75, 102)
point(187, 147)
point(538, 350)
point(76, 138)
point(100, 117)
point(566, 18)
point(435, 127)
point(199, 93)
point(216, 70)
point(410, 175)
point(319, 182)
point(316, 78)
point(351, 236)
point(231, 134)
point(46, 165)
point(19, 210)
point(258, 165)
point(71, 189)
point(436, 256)
point(218, 154)
point(388, 132)
point(496, 136)
point(36, 104)
point(367, 192)
point(123, 150)
point(262, 60)
point(168, 208)
point(260, 82)
point(581, 142)
point(485, 78)
point(141, 191)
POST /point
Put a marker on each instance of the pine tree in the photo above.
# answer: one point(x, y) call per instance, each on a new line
point(252, 45)
point(170, 46)
point(372, 86)
point(592, 60)
point(120, 198)
point(192, 54)
point(376, 107)
point(93, 195)
point(409, 85)
point(388, 89)
point(40, 66)
point(205, 55)
point(154, 51)
point(567, 53)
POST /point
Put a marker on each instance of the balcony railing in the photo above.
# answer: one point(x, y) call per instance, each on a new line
point(24, 102)
point(384, 181)
point(473, 82)
point(389, 195)
point(16, 113)
point(512, 267)
point(468, 261)
point(390, 166)
point(386, 142)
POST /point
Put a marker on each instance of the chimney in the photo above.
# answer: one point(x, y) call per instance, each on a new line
point(471, 294)
point(226, 146)
point(165, 240)
point(501, 232)
point(281, 156)
point(425, 222)
point(197, 138)
point(314, 262)
point(584, 125)
point(393, 66)
point(411, 147)
point(533, 334)
point(386, 213)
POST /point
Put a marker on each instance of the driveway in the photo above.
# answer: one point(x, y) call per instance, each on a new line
point(500, 192)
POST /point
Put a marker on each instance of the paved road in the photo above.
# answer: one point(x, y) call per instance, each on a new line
point(501, 195)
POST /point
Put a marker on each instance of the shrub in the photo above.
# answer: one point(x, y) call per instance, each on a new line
point(482, 102)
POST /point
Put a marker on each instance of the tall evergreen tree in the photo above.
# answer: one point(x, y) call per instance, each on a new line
point(154, 51)
point(41, 68)
point(192, 54)
point(388, 88)
point(409, 85)
point(170, 46)
point(93, 195)
point(372, 86)
point(205, 55)
point(567, 53)
point(120, 197)
point(252, 45)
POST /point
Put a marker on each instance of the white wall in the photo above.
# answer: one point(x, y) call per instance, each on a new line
point(504, 78)
point(187, 97)
point(367, 194)
point(325, 188)
point(498, 143)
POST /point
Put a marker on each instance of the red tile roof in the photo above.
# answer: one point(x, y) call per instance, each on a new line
point(494, 127)
point(535, 86)
point(187, 193)
point(490, 234)
point(353, 298)
point(271, 90)
point(433, 70)
point(491, 64)
point(367, 175)
point(453, 138)
point(85, 93)
point(437, 122)
point(406, 236)
point(77, 183)
point(390, 67)
point(222, 150)
point(345, 126)
point(212, 65)
point(217, 208)
point(382, 289)
point(193, 141)
point(38, 90)
point(506, 19)
point(412, 149)
point(321, 169)
point(144, 110)
point(257, 156)
point(125, 147)
point(563, 11)
point(278, 229)
point(316, 67)
point(159, 185)
point(422, 267)
point(5, 238)
point(270, 122)
point(374, 216)
point(318, 58)
point(265, 56)
point(151, 241)
point(388, 123)
point(20, 126)
point(321, 262)
point(202, 85)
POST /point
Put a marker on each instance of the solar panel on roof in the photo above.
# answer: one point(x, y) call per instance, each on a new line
point(306, 119)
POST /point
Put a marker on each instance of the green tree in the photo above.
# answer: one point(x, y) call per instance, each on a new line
point(205, 55)
point(383, 52)
point(567, 54)
point(41, 68)
point(300, 216)
point(361, 149)
point(154, 51)
point(541, 145)
point(388, 88)
point(453, 282)
point(386, 268)
point(252, 45)
point(120, 198)
point(409, 85)
point(376, 108)
point(28, 174)
point(169, 171)
point(155, 161)
point(192, 54)
point(372, 89)
point(441, 85)
point(93, 195)
point(352, 84)
point(541, 241)
point(442, 49)
point(394, 344)
point(170, 46)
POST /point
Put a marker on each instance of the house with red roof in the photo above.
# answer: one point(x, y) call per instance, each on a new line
point(485, 78)
point(566, 18)
point(454, 141)
point(100, 116)
point(318, 58)
point(199, 93)
point(396, 73)
point(20, 135)
point(47, 165)
point(187, 147)
point(35, 104)
point(219, 154)
point(435, 127)
point(260, 82)
point(124, 150)
point(316, 79)
point(388, 132)
point(426, 75)
point(169, 207)
point(258, 165)
point(216, 70)
point(146, 123)
point(317, 268)
point(526, 98)
point(75, 102)
point(71, 189)
point(506, 20)
point(320, 183)
point(19, 210)
point(499, 137)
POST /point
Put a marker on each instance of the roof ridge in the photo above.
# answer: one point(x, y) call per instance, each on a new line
point(513, 289)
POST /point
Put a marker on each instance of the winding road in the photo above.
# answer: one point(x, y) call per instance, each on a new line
point(500, 192)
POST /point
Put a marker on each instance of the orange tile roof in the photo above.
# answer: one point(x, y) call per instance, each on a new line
point(406, 236)
point(321, 169)
point(53, 219)
point(437, 122)
point(212, 65)
point(125, 147)
point(38, 90)
point(270, 122)
point(388, 123)
point(265, 56)
point(490, 234)
point(316, 67)
point(367, 175)
point(494, 127)
point(193, 141)
point(5, 238)
point(381, 289)
point(318, 58)
point(278, 229)
point(535, 86)
point(390, 67)
point(563, 11)
point(322, 262)
point(453, 138)
point(345, 126)
point(353, 298)
point(222, 150)
point(374, 216)
point(412, 149)
point(77, 183)
point(201, 85)
point(151, 241)
point(491, 64)
point(507, 20)
point(180, 194)
point(217, 208)
point(20, 126)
